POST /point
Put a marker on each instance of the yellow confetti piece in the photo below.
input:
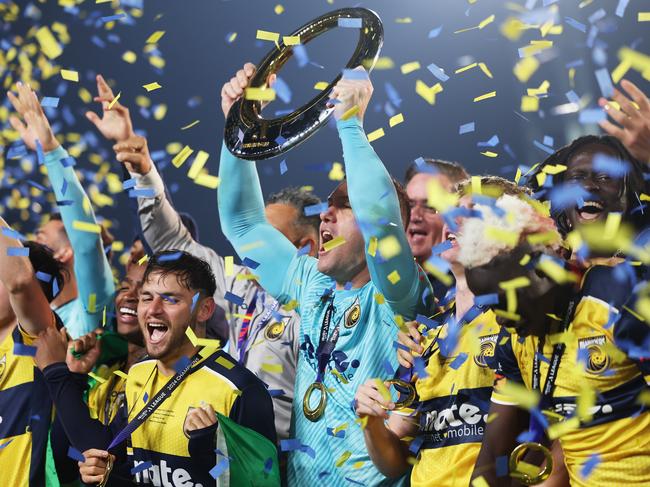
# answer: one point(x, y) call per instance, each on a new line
point(291, 40)
point(278, 9)
point(350, 113)
point(152, 86)
point(489, 153)
point(389, 247)
point(359, 464)
point(515, 283)
point(524, 397)
point(396, 119)
point(272, 368)
point(554, 169)
point(264, 35)
point(410, 67)
point(225, 363)
point(336, 173)
point(465, 68)
point(492, 416)
point(379, 298)
point(585, 402)
point(372, 246)
point(321, 85)
point(362, 422)
point(208, 181)
point(476, 184)
point(229, 265)
point(555, 271)
point(182, 156)
point(232, 37)
point(491, 94)
point(114, 101)
point(194, 340)
point(394, 277)
point(252, 245)
point(529, 104)
point(197, 165)
point(480, 482)
point(644, 17)
point(92, 303)
point(342, 459)
point(560, 429)
point(332, 244)
point(376, 134)
point(525, 68)
point(438, 197)
point(511, 239)
point(99, 379)
point(486, 22)
point(120, 374)
point(247, 277)
point(382, 389)
point(542, 90)
point(155, 37)
point(620, 71)
point(403, 20)
point(291, 305)
point(382, 62)
point(612, 225)
point(339, 376)
point(129, 57)
point(426, 92)
point(49, 45)
point(340, 428)
point(86, 227)
point(70, 75)
point(485, 70)
point(259, 94)
point(190, 125)
point(143, 259)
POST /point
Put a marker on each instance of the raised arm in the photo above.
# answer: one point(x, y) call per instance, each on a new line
point(28, 302)
point(374, 199)
point(91, 266)
point(241, 206)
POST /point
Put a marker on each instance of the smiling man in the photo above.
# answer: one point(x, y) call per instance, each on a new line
point(182, 403)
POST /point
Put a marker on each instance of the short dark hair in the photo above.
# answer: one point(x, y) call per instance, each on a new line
point(190, 271)
point(453, 170)
point(299, 199)
point(633, 182)
point(47, 269)
point(64, 233)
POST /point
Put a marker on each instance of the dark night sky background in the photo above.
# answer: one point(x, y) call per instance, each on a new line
point(198, 60)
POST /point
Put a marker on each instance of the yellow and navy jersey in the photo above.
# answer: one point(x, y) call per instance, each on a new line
point(218, 380)
point(106, 397)
point(453, 402)
point(25, 413)
point(593, 371)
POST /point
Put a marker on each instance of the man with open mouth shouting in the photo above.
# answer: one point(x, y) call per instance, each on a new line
point(347, 299)
point(183, 405)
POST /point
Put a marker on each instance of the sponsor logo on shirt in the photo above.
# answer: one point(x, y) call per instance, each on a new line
point(163, 476)
point(460, 423)
point(274, 331)
point(488, 345)
point(352, 314)
point(597, 360)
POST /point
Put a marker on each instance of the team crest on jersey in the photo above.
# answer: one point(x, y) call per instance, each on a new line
point(352, 315)
point(488, 345)
point(597, 358)
point(3, 363)
point(274, 331)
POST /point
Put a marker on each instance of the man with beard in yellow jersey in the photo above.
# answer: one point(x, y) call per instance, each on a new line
point(180, 410)
point(560, 374)
point(453, 385)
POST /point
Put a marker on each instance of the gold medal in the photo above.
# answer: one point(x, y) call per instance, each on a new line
point(109, 467)
point(526, 477)
point(409, 391)
point(314, 414)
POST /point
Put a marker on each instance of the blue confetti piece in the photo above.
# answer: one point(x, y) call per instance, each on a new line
point(548, 141)
point(195, 299)
point(280, 140)
point(491, 142)
point(75, 455)
point(17, 151)
point(220, 468)
point(548, 150)
point(355, 74)
point(290, 444)
point(604, 82)
point(282, 90)
point(43, 276)
point(55, 288)
point(620, 8)
point(181, 364)
point(610, 166)
point(250, 263)
point(458, 361)
point(167, 298)
point(64, 187)
point(350, 23)
point(588, 467)
point(301, 56)
point(438, 72)
point(18, 251)
point(233, 298)
point(276, 392)
point(392, 94)
point(142, 193)
point(435, 32)
point(420, 367)
point(572, 97)
point(338, 434)
point(317, 209)
point(141, 467)
point(283, 166)
point(575, 24)
point(68, 162)
point(467, 128)
point(170, 257)
point(592, 115)
point(5, 444)
point(145, 398)
point(502, 466)
point(36, 185)
point(304, 250)
point(347, 286)
point(39, 152)
point(526, 436)
point(567, 195)
point(416, 444)
point(268, 465)
point(388, 368)
point(24, 350)
point(486, 299)
point(50, 101)
point(64, 202)
point(356, 482)
point(129, 184)
point(441, 247)
point(11, 233)
point(597, 15)
point(398, 345)
point(308, 450)
point(428, 322)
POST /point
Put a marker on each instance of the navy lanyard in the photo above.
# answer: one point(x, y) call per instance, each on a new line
point(244, 332)
point(326, 343)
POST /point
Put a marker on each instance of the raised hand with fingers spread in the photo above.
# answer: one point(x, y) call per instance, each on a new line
point(34, 124)
point(115, 123)
point(634, 121)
